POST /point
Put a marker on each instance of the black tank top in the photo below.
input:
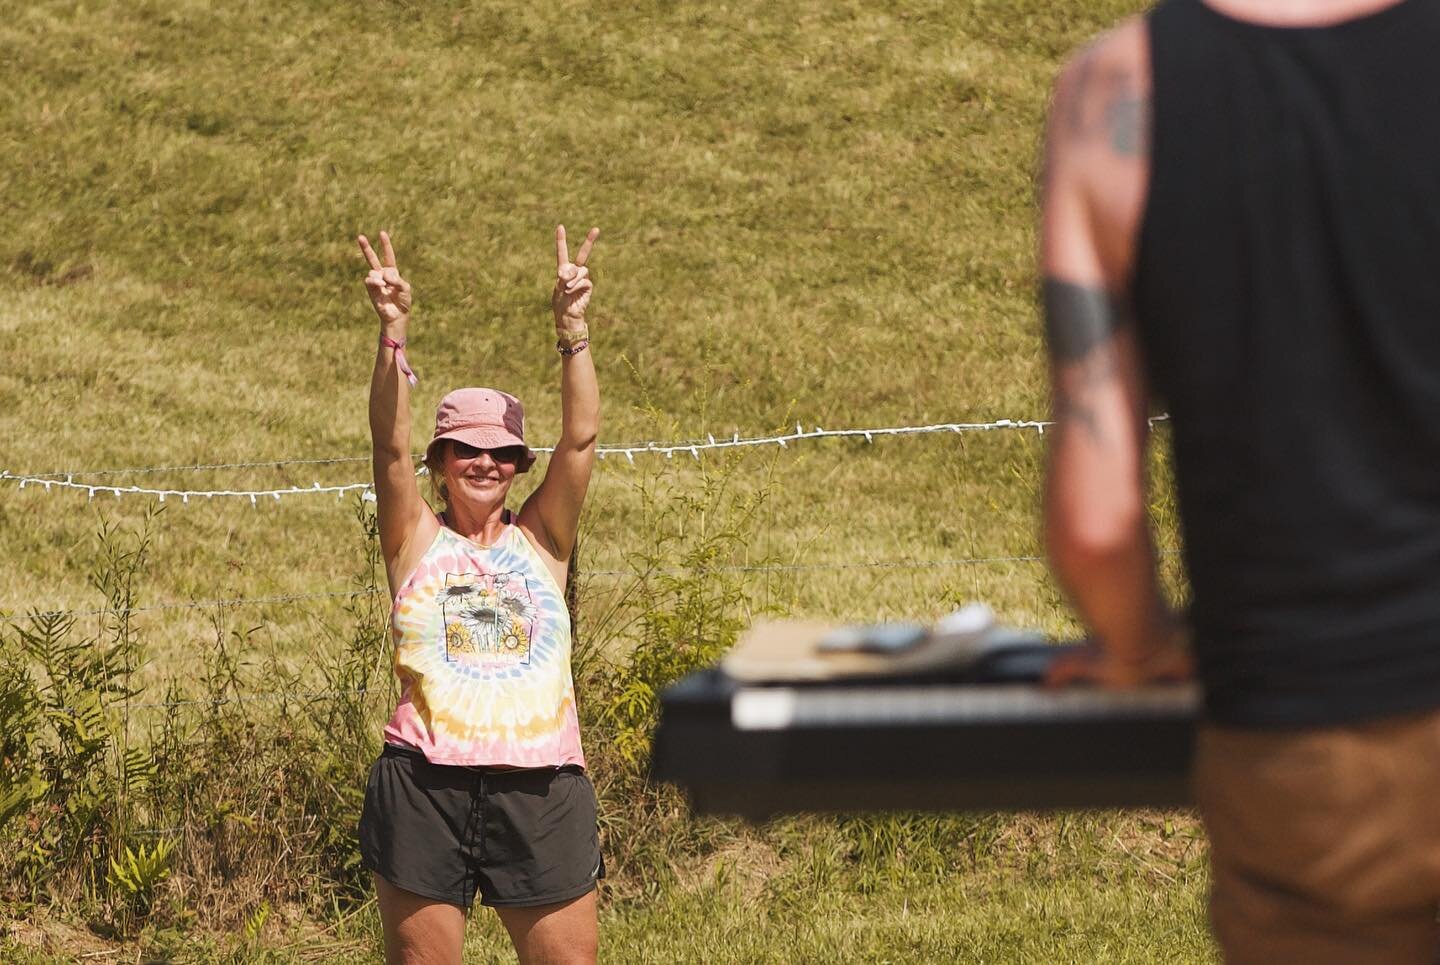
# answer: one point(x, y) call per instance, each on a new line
point(1288, 287)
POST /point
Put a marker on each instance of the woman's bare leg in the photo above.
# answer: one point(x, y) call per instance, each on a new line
point(566, 933)
point(419, 931)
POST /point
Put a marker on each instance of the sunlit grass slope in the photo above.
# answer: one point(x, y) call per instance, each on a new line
point(812, 212)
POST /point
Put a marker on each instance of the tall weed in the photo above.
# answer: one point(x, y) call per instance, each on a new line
point(136, 808)
point(683, 604)
point(70, 767)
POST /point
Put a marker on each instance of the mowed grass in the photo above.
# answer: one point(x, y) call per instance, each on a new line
point(812, 212)
point(819, 213)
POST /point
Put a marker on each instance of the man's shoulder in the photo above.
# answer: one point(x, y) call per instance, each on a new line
point(1097, 157)
point(1122, 52)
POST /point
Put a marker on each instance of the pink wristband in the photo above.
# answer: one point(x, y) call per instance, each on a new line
point(400, 359)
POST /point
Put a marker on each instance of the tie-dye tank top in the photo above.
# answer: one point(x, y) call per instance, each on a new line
point(482, 650)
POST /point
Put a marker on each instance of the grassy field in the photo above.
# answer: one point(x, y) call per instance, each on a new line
point(812, 212)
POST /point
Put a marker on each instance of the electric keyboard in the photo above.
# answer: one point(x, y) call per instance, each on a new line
point(985, 738)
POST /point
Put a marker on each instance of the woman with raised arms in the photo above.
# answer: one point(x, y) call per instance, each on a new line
point(481, 786)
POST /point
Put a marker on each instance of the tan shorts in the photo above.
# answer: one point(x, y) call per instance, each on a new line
point(1325, 843)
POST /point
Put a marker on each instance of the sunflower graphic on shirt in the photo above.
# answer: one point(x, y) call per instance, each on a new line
point(489, 619)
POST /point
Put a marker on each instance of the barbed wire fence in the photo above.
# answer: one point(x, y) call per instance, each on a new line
point(65, 479)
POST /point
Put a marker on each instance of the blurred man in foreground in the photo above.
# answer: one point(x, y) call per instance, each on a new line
point(1242, 221)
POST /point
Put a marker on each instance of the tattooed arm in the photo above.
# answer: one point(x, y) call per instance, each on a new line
point(1097, 537)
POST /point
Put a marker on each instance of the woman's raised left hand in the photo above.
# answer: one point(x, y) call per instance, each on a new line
point(572, 282)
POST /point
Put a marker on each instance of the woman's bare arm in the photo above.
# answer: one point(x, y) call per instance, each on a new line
point(406, 523)
point(552, 513)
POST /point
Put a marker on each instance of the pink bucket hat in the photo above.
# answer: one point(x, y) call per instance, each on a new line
point(484, 418)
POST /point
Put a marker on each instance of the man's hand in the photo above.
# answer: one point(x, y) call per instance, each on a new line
point(389, 293)
point(1164, 658)
point(572, 282)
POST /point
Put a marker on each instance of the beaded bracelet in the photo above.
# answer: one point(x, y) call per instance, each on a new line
point(576, 349)
point(572, 338)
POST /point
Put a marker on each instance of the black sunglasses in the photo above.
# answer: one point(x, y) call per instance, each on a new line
point(510, 454)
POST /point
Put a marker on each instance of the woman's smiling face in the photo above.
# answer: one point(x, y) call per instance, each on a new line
point(480, 477)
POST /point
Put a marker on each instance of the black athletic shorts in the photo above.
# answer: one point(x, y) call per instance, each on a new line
point(514, 837)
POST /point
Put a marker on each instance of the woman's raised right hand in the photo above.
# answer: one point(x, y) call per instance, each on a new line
point(389, 293)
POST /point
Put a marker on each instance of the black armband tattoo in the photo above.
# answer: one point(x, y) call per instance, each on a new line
point(1079, 318)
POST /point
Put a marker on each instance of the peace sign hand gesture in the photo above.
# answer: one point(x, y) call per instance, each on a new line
point(572, 282)
point(389, 293)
